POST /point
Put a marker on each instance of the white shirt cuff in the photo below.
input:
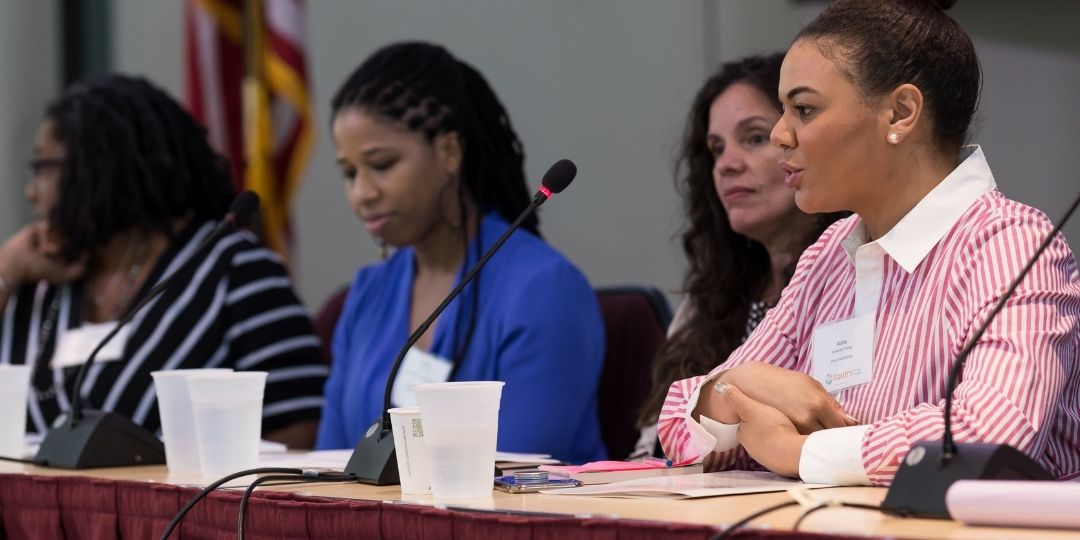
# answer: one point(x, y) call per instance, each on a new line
point(834, 456)
point(712, 436)
point(725, 434)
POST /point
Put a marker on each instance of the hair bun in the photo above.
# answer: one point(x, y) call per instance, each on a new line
point(943, 5)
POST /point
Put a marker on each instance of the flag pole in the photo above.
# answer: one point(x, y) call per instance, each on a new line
point(258, 140)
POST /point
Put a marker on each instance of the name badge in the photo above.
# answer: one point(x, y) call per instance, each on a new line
point(844, 353)
point(75, 345)
point(419, 367)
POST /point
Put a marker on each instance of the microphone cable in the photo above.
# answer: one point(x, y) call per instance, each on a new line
point(291, 472)
point(318, 477)
point(728, 532)
point(39, 463)
point(831, 504)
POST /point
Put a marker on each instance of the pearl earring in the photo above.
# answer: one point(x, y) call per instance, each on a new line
point(894, 137)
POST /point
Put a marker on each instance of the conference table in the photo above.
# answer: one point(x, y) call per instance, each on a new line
point(138, 502)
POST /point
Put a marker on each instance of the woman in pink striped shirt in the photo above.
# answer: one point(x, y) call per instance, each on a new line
point(849, 369)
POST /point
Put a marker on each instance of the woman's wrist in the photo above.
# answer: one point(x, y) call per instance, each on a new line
point(9, 278)
point(710, 403)
point(727, 376)
point(705, 397)
point(7, 285)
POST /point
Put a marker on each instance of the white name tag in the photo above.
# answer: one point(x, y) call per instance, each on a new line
point(74, 346)
point(844, 353)
point(419, 367)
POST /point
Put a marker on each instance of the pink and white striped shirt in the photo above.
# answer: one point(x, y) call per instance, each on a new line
point(932, 280)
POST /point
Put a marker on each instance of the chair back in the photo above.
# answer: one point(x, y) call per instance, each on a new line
point(635, 321)
point(326, 319)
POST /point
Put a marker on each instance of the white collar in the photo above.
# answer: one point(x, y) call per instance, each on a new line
point(912, 238)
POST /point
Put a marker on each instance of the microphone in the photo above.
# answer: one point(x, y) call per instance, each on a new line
point(373, 460)
point(929, 468)
point(93, 439)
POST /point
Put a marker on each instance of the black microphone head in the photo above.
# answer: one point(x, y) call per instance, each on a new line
point(242, 207)
point(559, 175)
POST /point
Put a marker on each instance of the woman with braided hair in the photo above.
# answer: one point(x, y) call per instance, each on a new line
point(433, 168)
point(124, 186)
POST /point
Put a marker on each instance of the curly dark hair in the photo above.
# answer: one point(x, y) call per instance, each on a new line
point(426, 89)
point(134, 158)
point(727, 271)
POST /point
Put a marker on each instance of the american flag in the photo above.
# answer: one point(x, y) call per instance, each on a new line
point(247, 83)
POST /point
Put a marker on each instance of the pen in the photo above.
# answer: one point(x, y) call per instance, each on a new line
point(658, 461)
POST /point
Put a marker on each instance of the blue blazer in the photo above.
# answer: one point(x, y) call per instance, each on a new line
point(538, 329)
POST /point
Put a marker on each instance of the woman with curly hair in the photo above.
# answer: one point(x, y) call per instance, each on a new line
point(878, 97)
point(743, 233)
point(124, 186)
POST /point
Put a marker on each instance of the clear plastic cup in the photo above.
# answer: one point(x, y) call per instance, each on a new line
point(14, 385)
point(228, 420)
point(178, 418)
point(461, 425)
point(410, 450)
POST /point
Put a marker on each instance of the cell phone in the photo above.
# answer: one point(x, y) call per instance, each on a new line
point(511, 484)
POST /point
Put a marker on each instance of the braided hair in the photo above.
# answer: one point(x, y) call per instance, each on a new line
point(134, 158)
point(429, 91)
point(424, 88)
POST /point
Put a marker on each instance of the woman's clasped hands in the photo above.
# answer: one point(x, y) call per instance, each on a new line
point(776, 410)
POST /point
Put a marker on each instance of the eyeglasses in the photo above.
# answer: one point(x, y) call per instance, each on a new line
point(38, 165)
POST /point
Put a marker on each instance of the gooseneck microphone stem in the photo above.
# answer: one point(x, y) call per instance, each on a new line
point(930, 468)
point(538, 199)
point(948, 449)
point(373, 460)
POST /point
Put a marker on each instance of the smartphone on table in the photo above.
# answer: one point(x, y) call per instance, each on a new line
point(533, 481)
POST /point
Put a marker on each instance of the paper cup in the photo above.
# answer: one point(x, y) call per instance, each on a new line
point(411, 452)
point(228, 420)
point(178, 418)
point(461, 426)
point(14, 385)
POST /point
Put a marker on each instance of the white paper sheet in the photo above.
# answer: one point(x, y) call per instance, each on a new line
point(337, 459)
point(319, 459)
point(519, 458)
point(689, 486)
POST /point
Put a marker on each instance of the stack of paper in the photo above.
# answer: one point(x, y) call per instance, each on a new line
point(690, 486)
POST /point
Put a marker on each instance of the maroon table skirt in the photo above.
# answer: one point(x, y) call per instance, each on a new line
point(47, 507)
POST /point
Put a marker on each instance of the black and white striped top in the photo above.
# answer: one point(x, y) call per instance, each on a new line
point(234, 308)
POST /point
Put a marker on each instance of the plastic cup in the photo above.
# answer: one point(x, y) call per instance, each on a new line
point(178, 418)
point(461, 425)
point(14, 385)
point(228, 420)
point(411, 452)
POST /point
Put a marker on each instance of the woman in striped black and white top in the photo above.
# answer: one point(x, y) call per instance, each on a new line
point(878, 96)
point(124, 186)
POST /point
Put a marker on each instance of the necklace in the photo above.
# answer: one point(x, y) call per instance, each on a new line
point(45, 389)
point(138, 258)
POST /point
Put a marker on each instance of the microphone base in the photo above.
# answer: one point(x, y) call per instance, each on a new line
point(919, 488)
point(374, 461)
point(99, 439)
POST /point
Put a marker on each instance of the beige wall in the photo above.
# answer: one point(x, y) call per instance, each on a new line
point(31, 75)
point(604, 82)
